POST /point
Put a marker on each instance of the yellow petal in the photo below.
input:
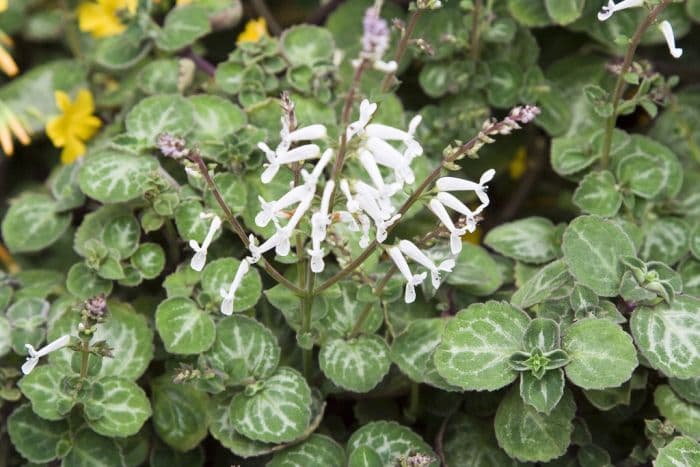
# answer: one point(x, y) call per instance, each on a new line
point(84, 104)
point(18, 130)
point(253, 31)
point(62, 100)
point(56, 131)
point(73, 150)
point(86, 127)
point(7, 63)
point(6, 141)
point(3, 5)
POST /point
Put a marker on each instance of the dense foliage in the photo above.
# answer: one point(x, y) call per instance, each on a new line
point(461, 233)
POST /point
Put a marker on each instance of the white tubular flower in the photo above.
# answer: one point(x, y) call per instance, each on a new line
point(382, 222)
point(410, 249)
point(311, 179)
point(307, 151)
point(380, 198)
point(455, 233)
point(458, 184)
point(385, 67)
point(283, 246)
point(387, 155)
point(372, 169)
point(411, 280)
point(388, 133)
point(365, 226)
point(347, 218)
point(230, 294)
point(316, 255)
point(352, 205)
point(667, 31)
point(34, 355)
point(307, 133)
point(200, 252)
point(321, 219)
point(452, 202)
point(270, 210)
point(367, 109)
point(607, 10)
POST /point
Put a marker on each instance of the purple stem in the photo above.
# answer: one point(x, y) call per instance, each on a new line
point(202, 63)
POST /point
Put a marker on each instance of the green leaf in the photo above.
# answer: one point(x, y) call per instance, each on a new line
point(163, 456)
point(679, 452)
point(684, 416)
point(88, 448)
point(190, 225)
point(43, 388)
point(598, 194)
point(122, 51)
point(122, 235)
point(505, 83)
point(214, 119)
point(390, 441)
point(688, 389)
point(609, 398)
point(545, 393)
point(149, 260)
point(119, 410)
point(468, 441)
point(528, 435)
point(5, 330)
point(531, 240)
point(475, 271)
point(665, 240)
point(695, 241)
point(667, 336)
point(592, 249)
point(649, 168)
point(126, 331)
point(184, 328)
point(35, 438)
point(180, 414)
point(233, 191)
point(32, 223)
point(275, 410)
point(221, 428)
point(63, 183)
point(601, 354)
point(115, 177)
point(28, 313)
point(244, 349)
point(542, 334)
point(307, 45)
point(229, 76)
point(529, 13)
point(160, 114)
point(477, 344)
point(219, 273)
point(316, 450)
point(413, 349)
point(357, 364)
point(344, 311)
point(572, 154)
point(84, 282)
point(182, 27)
point(542, 285)
point(160, 76)
point(564, 11)
point(364, 456)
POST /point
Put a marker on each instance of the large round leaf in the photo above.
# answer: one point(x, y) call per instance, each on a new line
point(592, 249)
point(469, 442)
point(307, 45)
point(477, 344)
point(180, 414)
point(184, 328)
point(35, 438)
point(119, 410)
point(531, 240)
point(43, 387)
point(244, 349)
point(32, 223)
point(218, 275)
point(669, 336)
point(679, 452)
point(222, 429)
point(166, 113)
point(115, 177)
point(602, 354)
point(683, 415)
point(316, 450)
point(390, 441)
point(357, 364)
point(276, 410)
point(531, 436)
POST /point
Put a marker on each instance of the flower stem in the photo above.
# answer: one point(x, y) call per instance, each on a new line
point(237, 227)
point(475, 32)
point(401, 49)
point(200, 62)
point(620, 84)
point(85, 350)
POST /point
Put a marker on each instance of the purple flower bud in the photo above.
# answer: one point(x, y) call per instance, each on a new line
point(96, 307)
point(172, 146)
point(375, 39)
point(524, 114)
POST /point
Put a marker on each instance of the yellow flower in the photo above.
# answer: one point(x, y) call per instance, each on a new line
point(3, 5)
point(11, 125)
point(102, 18)
point(518, 165)
point(74, 126)
point(254, 30)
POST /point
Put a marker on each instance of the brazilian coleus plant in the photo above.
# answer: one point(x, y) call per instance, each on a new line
point(327, 248)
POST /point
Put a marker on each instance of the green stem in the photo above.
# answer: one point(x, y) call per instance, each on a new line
point(414, 402)
point(475, 32)
point(85, 350)
point(620, 83)
point(306, 307)
point(237, 227)
point(401, 49)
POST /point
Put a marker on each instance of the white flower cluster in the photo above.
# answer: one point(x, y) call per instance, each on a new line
point(386, 154)
point(665, 27)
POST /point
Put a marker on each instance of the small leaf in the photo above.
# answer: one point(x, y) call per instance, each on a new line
point(528, 435)
point(357, 364)
point(688, 389)
point(278, 410)
point(84, 283)
point(542, 285)
point(665, 240)
point(307, 45)
point(122, 235)
point(184, 328)
point(598, 194)
point(667, 336)
point(182, 27)
point(115, 177)
point(219, 273)
point(316, 450)
point(477, 344)
point(221, 428)
point(122, 408)
point(33, 437)
point(475, 271)
point(531, 240)
point(529, 13)
point(180, 414)
point(564, 11)
point(149, 260)
point(233, 191)
point(592, 249)
point(390, 441)
point(43, 388)
point(32, 223)
point(684, 416)
point(244, 349)
point(609, 398)
point(163, 113)
point(601, 354)
point(545, 393)
point(572, 154)
point(679, 452)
